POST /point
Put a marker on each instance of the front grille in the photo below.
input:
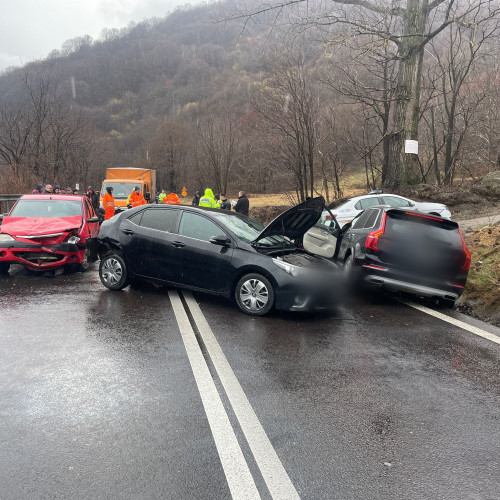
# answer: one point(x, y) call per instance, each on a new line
point(39, 256)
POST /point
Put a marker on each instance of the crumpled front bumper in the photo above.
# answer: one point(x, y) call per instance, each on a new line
point(41, 257)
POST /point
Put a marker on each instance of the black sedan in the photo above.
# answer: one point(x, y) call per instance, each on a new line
point(220, 252)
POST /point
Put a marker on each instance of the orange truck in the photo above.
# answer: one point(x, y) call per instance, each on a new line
point(124, 180)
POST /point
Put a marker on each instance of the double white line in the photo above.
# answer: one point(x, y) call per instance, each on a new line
point(239, 478)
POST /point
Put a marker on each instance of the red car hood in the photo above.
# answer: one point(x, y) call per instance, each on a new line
point(38, 226)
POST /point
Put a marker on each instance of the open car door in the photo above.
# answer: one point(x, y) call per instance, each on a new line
point(324, 237)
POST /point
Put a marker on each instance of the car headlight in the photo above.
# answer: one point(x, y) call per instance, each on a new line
point(290, 269)
point(74, 240)
point(6, 237)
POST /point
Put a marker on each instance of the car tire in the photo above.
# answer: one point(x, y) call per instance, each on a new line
point(85, 264)
point(113, 272)
point(348, 266)
point(4, 268)
point(254, 294)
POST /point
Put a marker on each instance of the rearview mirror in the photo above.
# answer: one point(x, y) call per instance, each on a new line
point(93, 219)
point(220, 240)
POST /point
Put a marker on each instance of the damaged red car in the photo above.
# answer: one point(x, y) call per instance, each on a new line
point(44, 232)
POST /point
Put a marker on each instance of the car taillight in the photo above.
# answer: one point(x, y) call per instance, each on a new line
point(468, 259)
point(372, 238)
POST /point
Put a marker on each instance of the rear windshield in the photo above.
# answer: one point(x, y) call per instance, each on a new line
point(121, 190)
point(47, 208)
point(423, 229)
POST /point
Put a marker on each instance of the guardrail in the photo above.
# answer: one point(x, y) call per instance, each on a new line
point(6, 201)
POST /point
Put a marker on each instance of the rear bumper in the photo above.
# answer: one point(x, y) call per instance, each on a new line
point(42, 258)
point(414, 288)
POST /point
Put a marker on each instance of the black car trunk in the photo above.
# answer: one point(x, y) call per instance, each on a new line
point(421, 244)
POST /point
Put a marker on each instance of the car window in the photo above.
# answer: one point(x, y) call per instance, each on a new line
point(47, 208)
point(136, 218)
point(423, 232)
point(199, 227)
point(88, 209)
point(248, 229)
point(393, 201)
point(161, 220)
point(367, 203)
point(359, 221)
point(371, 219)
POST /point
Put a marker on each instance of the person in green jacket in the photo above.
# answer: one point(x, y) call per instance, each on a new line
point(208, 199)
point(162, 196)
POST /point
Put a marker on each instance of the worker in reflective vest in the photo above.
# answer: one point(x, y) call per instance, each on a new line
point(136, 198)
point(172, 199)
point(162, 196)
point(208, 199)
point(108, 202)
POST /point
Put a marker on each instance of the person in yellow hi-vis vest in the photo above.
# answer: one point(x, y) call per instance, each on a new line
point(208, 199)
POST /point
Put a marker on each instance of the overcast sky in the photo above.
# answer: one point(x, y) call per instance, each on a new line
point(30, 29)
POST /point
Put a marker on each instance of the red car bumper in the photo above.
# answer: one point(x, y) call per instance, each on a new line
point(41, 258)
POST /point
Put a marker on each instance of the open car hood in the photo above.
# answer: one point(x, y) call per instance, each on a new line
point(296, 221)
point(37, 226)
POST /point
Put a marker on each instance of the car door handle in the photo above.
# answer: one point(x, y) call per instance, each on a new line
point(127, 231)
point(178, 244)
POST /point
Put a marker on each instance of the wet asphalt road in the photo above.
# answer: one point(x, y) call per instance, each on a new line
point(374, 400)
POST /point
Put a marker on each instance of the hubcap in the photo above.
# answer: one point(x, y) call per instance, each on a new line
point(112, 271)
point(254, 295)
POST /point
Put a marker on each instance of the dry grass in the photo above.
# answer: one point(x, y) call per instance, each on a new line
point(483, 283)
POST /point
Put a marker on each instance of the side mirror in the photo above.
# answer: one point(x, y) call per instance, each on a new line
point(223, 241)
point(147, 196)
point(93, 219)
point(411, 204)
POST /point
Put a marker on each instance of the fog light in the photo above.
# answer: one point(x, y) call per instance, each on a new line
point(73, 257)
point(298, 300)
point(3, 254)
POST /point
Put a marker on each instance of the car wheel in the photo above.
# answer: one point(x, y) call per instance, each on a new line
point(348, 266)
point(4, 267)
point(113, 272)
point(85, 264)
point(254, 295)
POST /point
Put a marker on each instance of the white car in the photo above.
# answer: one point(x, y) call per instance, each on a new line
point(346, 212)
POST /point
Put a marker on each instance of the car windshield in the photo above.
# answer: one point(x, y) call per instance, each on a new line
point(248, 229)
point(47, 208)
point(121, 190)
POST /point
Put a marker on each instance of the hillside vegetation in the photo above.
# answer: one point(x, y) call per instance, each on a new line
point(249, 104)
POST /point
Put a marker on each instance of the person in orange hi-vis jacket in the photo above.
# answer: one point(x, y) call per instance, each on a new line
point(172, 199)
point(136, 198)
point(108, 202)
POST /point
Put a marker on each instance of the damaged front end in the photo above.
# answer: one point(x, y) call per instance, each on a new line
point(42, 252)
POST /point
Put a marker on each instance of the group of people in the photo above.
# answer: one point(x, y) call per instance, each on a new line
point(48, 189)
point(169, 199)
point(220, 201)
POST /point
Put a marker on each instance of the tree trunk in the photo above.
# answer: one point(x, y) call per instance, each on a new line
point(407, 109)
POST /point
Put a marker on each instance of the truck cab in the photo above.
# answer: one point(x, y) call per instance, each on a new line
point(124, 180)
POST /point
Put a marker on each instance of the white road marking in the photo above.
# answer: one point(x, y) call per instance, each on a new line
point(273, 472)
point(456, 322)
point(238, 475)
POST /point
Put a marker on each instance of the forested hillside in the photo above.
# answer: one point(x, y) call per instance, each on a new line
point(249, 102)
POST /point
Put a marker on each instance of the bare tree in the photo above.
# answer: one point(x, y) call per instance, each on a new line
point(289, 106)
point(416, 23)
